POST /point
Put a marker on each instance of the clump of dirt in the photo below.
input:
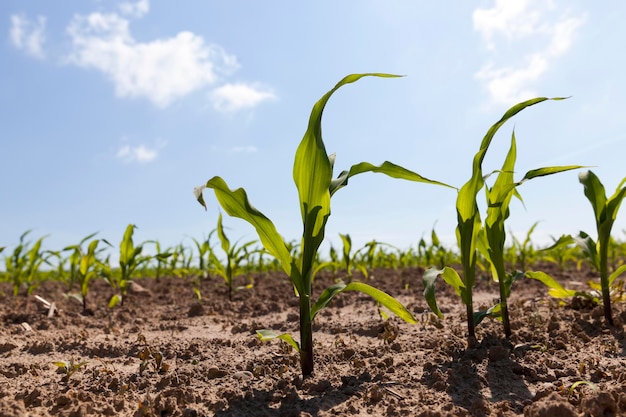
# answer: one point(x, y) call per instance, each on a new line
point(165, 353)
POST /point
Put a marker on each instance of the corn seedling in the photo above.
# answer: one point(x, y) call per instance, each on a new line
point(313, 176)
point(85, 266)
point(161, 260)
point(492, 239)
point(235, 255)
point(434, 254)
point(562, 253)
point(522, 253)
point(69, 368)
point(130, 260)
point(468, 228)
point(204, 254)
point(348, 260)
point(605, 211)
point(22, 266)
point(74, 261)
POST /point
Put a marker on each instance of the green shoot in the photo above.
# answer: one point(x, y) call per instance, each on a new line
point(130, 259)
point(468, 227)
point(498, 200)
point(235, 255)
point(312, 173)
point(69, 368)
point(22, 267)
point(605, 210)
point(87, 267)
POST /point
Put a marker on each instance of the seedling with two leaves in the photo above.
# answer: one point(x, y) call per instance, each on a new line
point(69, 368)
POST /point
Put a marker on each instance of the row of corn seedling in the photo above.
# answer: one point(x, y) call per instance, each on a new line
point(477, 232)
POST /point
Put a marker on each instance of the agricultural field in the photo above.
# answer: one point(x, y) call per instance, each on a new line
point(178, 345)
point(495, 327)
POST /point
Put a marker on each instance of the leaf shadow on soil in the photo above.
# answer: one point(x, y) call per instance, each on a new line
point(321, 396)
point(598, 327)
point(461, 379)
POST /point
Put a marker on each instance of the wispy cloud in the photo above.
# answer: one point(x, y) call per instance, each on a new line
point(244, 149)
point(141, 153)
point(162, 70)
point(233, 97)
point(28, 35)
point(137, 9)
point(513, 25)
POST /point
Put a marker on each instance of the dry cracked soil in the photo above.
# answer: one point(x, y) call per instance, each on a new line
point(165, 353)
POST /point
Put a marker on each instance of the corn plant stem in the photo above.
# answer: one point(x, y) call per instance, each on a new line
point(504, 307)
point(604, 281)
point(306, 336)
point(468, 276)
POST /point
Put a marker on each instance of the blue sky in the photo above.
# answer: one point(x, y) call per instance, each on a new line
point(112, 112)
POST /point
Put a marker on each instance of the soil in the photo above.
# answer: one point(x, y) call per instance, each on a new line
point(164, 353)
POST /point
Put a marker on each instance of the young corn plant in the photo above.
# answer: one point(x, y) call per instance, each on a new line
point(435, 253)
point(130, 260)
point(161, 260)
point(522, 253)
point(468, 228)
point(493, 235)
point(313, 176)
point(348, 261)
point(605, 211)
point(562, 253)
point(22, 266)
point(85, 266)
point(74, 260)
point(235, 255)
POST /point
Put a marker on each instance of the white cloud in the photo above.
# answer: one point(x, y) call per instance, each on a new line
point(162, 70)
point(510, 18)
point(244, 149)
point(137, 9)
point(28, 35)
point(141, 153)
point(510, 22)
point(233, 97)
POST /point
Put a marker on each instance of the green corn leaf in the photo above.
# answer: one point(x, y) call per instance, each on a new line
point(222, 236)
point(542, 172)
point(589, 248)
point(236, 204)
point(384, 299)
point(495, 312)
point(619, 271)
point(126, 246)
point(595, 193)
point(115, 300)
point(388, 168)
point(555, 289)
point(563, 241)
point(451, 277)
point(381, 297)
point(312, 169)
point(615, 201)
point(325, 297)
point(430, 280)
point(265, 335)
